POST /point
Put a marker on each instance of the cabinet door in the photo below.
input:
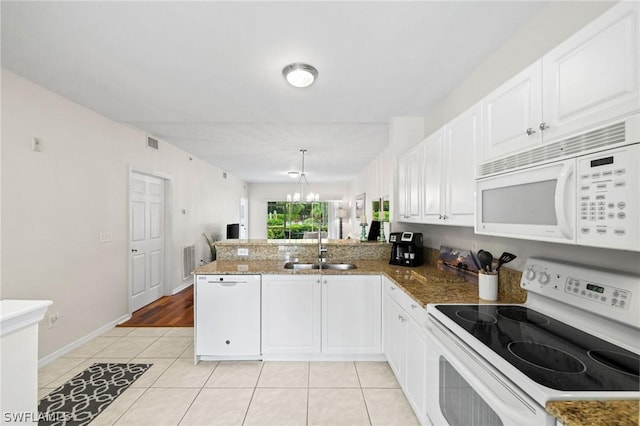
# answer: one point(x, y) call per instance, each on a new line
point(414, 184)
point(415, 368)
point(432, 196)
point(462, 136)
point(401, 214)
point(593, 76)
point(291, 316)
point(394, 341)
point(351, 314)
point(509, 111)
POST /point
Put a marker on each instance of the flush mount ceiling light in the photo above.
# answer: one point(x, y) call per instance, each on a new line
point(299, 74)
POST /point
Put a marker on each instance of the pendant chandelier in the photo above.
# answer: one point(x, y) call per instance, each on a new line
point(302, 190)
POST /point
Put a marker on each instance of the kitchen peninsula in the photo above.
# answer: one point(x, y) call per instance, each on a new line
point(404, 293)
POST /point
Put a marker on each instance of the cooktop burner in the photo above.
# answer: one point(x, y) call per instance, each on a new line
point(550, 352)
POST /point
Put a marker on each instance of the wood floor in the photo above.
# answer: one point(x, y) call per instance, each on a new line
point(168, 311)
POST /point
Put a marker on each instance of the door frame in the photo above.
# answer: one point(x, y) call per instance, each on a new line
point(168, 237)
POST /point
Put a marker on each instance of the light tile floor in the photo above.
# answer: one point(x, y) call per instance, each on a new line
point(176, 392)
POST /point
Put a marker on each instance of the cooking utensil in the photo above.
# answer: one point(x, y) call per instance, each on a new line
point(505, 258)
point(475, 261)
point(486, 260)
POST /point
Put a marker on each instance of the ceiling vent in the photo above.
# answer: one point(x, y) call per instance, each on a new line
point(152, 143)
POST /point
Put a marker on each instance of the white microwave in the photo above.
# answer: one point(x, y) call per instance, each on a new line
point(590, 200)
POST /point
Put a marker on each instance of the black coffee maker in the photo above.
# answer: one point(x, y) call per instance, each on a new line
point(407, 249)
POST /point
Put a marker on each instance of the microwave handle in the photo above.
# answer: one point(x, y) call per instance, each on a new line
point(562, 192)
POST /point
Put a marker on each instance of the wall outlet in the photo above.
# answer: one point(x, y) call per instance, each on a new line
point(36, 144)
point(243, 252)
point(53, 319)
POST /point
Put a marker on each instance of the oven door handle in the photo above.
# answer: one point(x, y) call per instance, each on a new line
point(492, 398)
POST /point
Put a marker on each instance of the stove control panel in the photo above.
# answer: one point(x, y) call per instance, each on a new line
point(600, 293)
point(604, 292)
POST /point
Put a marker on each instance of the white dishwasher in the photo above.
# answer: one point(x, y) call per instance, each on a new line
point(227, 317)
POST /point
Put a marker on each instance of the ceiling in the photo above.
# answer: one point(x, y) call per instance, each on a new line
point(206, 76)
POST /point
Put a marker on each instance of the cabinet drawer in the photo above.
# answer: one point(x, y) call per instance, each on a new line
point(410, 306)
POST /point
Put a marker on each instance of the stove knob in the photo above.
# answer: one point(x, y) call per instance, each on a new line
point(543, 278)
point(530, 274)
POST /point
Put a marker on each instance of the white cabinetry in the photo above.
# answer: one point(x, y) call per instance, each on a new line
point(405, 345)
point(393, 330)
point(227, 316)
point(591, 78)
point(449, 171)
point(321, 314)
point(351, 314)
point(410, 185)
point(511, 115)
point(291, 314)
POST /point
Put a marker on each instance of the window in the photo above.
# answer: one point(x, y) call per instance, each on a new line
point(291, 220)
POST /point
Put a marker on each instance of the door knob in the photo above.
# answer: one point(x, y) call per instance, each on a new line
point(530, 131)
point(543, 126)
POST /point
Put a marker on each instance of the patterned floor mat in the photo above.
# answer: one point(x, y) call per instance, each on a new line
point(81, 399)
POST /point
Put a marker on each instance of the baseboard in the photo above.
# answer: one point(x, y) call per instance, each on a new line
point(182, 287)
point(81, 341)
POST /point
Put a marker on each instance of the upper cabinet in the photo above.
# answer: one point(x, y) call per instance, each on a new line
point(410, 185)
point(593, 76)
point(511, 115)
point(589, 79)
point(448, 171)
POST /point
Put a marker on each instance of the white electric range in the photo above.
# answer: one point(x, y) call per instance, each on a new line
point(576, 338)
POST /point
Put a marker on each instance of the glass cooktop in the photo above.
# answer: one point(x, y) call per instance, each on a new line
point(550, 352)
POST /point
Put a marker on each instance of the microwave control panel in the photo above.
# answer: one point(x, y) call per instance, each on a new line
point(607, 187)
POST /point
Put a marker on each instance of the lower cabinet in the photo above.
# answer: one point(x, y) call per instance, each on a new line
point(351, 314)
point(405, 346)
point(291, 310)
point(321, 314)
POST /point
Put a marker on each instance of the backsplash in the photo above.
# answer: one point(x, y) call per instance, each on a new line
point(302, 250)
point(508, 279)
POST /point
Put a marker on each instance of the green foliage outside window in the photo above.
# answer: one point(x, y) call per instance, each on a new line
point(291, 220)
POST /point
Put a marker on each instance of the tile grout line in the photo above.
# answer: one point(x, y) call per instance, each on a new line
point(198, 393)
point(246, 413)
point(366, 407)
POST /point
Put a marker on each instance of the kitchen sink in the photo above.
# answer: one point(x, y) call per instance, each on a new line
point(339, 266)
point(296, 265)
point(335, 266)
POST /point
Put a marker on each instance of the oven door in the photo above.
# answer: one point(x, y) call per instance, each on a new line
point(463, 389)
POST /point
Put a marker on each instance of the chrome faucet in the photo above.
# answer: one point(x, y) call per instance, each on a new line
point(322, 251)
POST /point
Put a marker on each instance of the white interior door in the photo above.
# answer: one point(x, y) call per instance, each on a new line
point(147, 239)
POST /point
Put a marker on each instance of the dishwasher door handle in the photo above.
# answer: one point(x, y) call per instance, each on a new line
point(227, 283)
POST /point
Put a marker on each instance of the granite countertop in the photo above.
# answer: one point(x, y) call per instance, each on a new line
point(427, 284)
point(595, 413)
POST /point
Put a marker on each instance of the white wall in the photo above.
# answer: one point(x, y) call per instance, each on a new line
point(261, 193)
point(377, 179)
point(57, 202)
point(545, 30)
point(556, 22)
